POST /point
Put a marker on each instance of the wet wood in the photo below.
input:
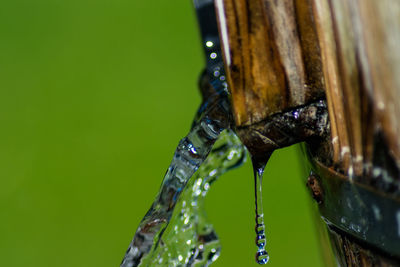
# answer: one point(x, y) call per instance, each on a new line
point(271, 62)
point(282, 54)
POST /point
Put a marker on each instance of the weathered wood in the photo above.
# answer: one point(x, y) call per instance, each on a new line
point(380, 22)
point(360, 59)
point(282, 54)
point(271, 62)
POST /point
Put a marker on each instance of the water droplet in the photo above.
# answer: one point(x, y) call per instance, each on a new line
point(260, 240)
point(262, 256)
point(209, 44)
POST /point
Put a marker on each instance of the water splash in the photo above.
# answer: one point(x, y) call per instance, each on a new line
point(190, 239)
point(153, 241)
point(262, 256)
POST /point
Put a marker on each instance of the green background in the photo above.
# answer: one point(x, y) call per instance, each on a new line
point(94, 97)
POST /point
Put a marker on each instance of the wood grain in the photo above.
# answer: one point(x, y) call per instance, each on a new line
point(271, 65)
point(283, 54)
point(359, 42)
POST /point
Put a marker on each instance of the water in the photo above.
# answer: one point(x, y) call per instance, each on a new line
point(190, 239)
point(262, 255)
point(175, 230)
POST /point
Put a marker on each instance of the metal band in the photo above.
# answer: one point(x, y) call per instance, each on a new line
point(358, 210)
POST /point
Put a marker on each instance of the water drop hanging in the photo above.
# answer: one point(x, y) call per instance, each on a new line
point(262, 255)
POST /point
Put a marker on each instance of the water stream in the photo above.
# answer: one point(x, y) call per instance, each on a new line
point(175, 231)
point(189, 240)
point(262, 255)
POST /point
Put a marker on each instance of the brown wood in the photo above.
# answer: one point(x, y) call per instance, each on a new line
point(282, 54)
point(271, 62)
point(380, 22)
point(360, 61)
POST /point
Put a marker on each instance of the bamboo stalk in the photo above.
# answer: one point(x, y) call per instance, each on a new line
point(280, 55)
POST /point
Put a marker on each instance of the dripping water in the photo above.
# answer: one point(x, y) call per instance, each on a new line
point(262, 255)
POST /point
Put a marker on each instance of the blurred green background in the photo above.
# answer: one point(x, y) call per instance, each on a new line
point(94, 97)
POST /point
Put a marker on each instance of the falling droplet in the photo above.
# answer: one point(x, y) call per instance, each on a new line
point(262, 256)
